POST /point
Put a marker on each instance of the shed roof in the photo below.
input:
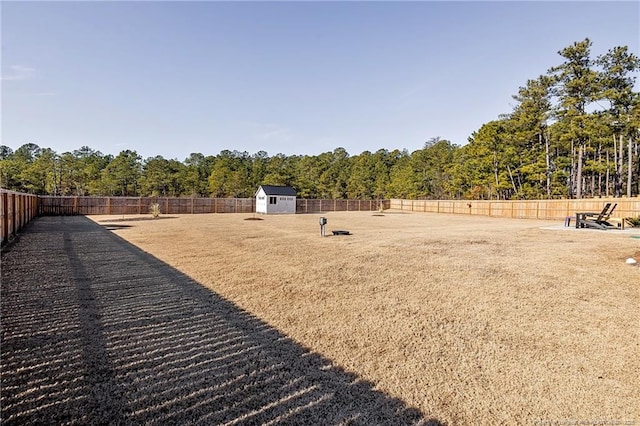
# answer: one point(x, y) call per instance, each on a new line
point(278, 190)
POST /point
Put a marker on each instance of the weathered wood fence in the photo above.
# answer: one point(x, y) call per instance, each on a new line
point(314, 206)
point(531, 209)
point(16, 210)
point(49, 205)
point(141, 205)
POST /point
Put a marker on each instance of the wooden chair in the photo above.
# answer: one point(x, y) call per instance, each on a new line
point(596, 220)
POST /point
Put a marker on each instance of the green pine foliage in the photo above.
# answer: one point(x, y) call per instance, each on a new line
point(573, 133)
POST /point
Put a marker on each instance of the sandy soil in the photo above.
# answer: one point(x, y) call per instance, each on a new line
point(472, 320)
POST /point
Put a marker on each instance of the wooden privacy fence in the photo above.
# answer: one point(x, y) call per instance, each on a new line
point(68, 206)
point(16, 210)
point(313, 206)
point(532, 209)
point(51, 205)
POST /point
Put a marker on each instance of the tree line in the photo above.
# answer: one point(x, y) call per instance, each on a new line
point(573, 133)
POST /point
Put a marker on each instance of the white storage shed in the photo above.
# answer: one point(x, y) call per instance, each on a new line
point(275, 199)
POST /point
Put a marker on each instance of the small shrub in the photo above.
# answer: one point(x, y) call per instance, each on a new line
point(635, 221)
point(155, 210)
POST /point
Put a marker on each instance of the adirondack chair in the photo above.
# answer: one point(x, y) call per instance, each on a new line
point(596, 220)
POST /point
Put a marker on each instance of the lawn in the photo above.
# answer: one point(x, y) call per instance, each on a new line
point(472, 320)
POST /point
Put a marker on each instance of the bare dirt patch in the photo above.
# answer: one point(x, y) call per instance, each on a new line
point(473, 320)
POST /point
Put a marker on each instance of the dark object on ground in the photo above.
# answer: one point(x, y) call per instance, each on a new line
point(341, 232)
point(596, 220)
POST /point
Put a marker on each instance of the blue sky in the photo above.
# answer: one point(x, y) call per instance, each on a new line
point(172, 78)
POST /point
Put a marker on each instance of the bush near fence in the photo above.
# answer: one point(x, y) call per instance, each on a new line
point(16, 210)
point(530, 209)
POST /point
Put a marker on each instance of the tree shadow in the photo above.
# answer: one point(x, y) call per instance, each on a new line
point(95, 330)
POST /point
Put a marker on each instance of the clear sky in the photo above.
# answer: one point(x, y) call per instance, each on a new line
point(172, 78)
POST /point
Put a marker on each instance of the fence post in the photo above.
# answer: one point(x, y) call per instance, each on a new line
point(5, 219)
point(20, 211)
point(13, 213)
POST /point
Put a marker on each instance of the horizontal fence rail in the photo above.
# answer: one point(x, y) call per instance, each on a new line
point(531, 209)
point(16, 210)
point(51, 205)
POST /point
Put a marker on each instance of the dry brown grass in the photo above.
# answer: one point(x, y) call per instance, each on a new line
point(473, 320)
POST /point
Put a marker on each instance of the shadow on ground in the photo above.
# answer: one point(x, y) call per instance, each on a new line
point(94, 330)
point(138, 219)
